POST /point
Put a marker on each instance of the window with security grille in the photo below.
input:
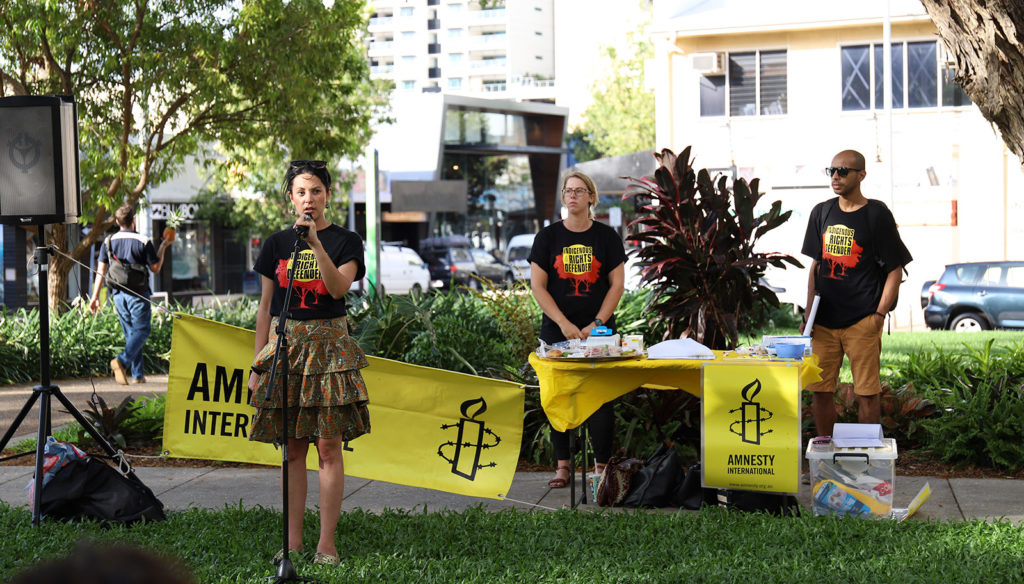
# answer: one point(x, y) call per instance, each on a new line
point(753, 83)
point(919, 78)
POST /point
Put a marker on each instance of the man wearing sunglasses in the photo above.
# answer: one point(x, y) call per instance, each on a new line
point(858, 259)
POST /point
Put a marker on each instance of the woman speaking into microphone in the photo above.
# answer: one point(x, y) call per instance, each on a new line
point(327, 397)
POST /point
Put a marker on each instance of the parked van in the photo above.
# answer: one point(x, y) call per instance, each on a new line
point(402, 271)
point(517, 253)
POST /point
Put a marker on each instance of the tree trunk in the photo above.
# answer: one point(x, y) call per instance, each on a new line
point(986, 37)
point(59, 266)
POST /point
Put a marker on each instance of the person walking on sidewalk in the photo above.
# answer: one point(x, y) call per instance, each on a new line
point(133, 307)
point(858, 256)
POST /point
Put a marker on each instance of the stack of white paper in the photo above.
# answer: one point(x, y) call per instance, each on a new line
point(679, 349)
point(857, 436)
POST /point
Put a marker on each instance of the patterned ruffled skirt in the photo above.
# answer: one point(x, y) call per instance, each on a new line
point(326, 392)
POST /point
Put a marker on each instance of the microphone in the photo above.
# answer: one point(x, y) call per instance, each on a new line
point(303, 230)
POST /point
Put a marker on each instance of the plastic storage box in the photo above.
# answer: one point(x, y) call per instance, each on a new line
point(852, 481)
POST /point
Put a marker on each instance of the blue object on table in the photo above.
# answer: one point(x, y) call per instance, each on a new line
point(600, 331)
point(789, 350)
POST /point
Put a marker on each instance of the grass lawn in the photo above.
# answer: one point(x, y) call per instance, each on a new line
point(475, 546)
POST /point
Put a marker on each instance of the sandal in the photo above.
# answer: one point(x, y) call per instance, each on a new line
point(325, 559)
point(558, 482)
point(280, 555)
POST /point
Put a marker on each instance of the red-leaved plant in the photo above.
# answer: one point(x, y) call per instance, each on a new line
point(698, 249)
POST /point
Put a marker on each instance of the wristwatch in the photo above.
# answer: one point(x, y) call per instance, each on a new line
point(598, 322)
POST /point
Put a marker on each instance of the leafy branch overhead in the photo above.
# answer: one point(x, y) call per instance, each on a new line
point(698, 239)
point(159, 82)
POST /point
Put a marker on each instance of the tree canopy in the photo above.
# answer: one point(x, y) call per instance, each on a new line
point(156, 81)
point(620, 120)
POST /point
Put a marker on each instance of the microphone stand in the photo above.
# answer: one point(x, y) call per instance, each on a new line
point(285, 570)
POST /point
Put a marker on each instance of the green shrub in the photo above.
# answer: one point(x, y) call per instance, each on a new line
point(982, 416)
point(82, 344)
point(903, 411)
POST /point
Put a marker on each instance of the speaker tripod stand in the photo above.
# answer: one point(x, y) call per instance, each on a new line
point(46, 391)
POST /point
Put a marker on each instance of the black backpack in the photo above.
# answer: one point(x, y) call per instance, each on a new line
point(126, 276)
point(91, 489)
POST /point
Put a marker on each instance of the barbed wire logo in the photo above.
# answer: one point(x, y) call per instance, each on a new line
point(469, 444)
point(23, 151)
point(752, 414)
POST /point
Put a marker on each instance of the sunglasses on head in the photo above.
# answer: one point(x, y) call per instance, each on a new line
point(308, 163)
point(841, 170)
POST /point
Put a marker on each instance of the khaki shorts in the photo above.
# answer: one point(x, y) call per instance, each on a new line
point(862, 343)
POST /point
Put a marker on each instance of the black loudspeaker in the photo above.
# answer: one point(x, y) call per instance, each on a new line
point(39, 160)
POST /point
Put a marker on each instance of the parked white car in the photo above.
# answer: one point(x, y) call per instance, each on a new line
point(516, 254)
point(402, 271)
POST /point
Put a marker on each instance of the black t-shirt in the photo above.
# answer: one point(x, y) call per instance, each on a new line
point(577, 265)
point(855, 253)
point(310, 298)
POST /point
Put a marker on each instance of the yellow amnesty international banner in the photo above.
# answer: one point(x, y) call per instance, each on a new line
point(429, 428)
point(751, 426)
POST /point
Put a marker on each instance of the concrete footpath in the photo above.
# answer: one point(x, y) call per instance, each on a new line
point(215, 487)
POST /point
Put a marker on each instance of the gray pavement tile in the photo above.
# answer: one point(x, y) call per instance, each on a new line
point(13, 480)
point(989, 498)
point(228, 487)
point(379, 496)
point(161, 479)
point(942, 504)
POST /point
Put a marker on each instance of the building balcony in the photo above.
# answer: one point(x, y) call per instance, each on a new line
point(489, 15)
point(488, 41)
point(528, 81)
point(433, 2)
point(489, 64)
point(433, 24)
point(382, 70)
point(380, 22)
point(433, 48)
point(380, 48)
point(434, 72)
point(494, 86)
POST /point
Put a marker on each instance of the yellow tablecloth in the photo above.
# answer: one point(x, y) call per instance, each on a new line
point(570, 391)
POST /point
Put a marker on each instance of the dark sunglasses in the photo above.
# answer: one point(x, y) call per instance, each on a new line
point(841, 170)
point(315, 164)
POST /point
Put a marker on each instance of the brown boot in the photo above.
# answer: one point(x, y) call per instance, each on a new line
point(120, 373)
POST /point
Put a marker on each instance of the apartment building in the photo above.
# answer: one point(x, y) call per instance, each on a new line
point(773, 90)
point(497, 49)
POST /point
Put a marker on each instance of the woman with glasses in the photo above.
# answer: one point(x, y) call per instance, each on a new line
point(577, 274)
point(327, 399)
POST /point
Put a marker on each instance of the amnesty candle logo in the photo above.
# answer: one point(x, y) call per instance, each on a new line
point(751, 415)
point(751, 421)
point(470, 443)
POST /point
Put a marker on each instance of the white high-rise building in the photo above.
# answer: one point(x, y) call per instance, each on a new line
point(500, 50)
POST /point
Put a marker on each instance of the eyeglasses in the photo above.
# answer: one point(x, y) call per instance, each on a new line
point(575, 192)
point(841, 170)
point(315, 164)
